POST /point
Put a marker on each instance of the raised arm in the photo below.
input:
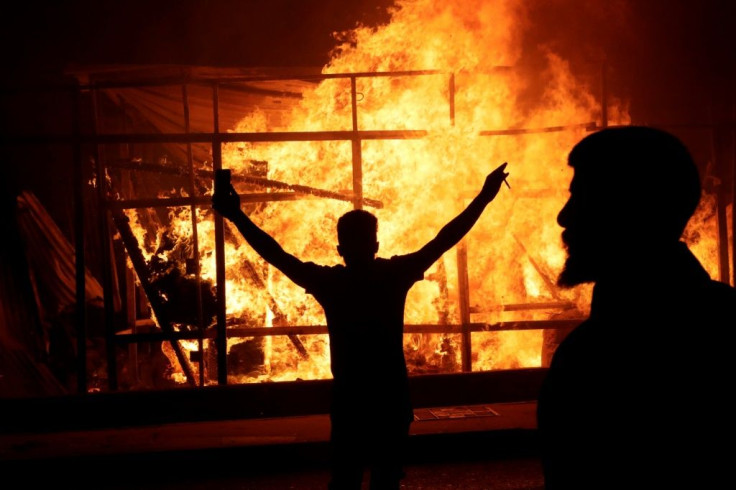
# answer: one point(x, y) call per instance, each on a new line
point(455, 230)
point(227, 203)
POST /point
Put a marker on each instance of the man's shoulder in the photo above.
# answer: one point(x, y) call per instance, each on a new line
point(333, 267)
point(579, 343)
point(409, 266)
point(721, 298)
point(584, 332)
point(393, 262)
point(318, 273)
point(402, 260)
point(323, 267)
point(723, 291)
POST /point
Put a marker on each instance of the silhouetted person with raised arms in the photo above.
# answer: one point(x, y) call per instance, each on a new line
point(363, 303)
point(636, 395)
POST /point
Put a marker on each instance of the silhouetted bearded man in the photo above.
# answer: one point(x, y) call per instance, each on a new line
point(636, 395)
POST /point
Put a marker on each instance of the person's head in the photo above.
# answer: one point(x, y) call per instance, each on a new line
point(633, 191)
point(357, 240)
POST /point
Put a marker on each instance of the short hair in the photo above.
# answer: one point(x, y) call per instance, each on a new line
point(357, 226)
point(650, 173)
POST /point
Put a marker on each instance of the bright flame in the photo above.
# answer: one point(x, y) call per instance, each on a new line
point(514, 251)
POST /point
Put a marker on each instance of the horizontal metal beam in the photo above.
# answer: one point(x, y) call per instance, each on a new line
point(189, 79)
point(213, 138)
point(243, 332)
point(298, 190)
point(174, 80)
point(133, 338)
point(525, 325)
point(34, 139)
point(202, 200)
point(244, 198)
point(287, 136)
point(551, 305)
point(590, 126)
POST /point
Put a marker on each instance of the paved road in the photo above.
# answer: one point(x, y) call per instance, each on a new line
point(467, 461)
point(454, 451)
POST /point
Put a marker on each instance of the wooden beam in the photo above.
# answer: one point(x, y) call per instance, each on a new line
point(139, 264)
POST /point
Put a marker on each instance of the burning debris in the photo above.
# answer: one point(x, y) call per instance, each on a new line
point(404, 112)
point(440, 126)
point(181, 292)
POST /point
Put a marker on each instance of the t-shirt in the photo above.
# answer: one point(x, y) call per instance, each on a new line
point(364, 308)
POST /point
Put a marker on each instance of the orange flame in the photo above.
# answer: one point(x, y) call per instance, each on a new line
point(514, 251)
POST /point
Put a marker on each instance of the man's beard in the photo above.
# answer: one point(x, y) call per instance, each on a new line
point(578, 270)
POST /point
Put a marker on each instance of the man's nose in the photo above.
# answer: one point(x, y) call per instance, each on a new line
point(564, 215)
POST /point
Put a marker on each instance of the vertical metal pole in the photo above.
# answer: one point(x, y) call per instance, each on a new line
point(131, 289)
point(131, 316)
point(464, 294)
point(104, 224)
point(357, 151)
point(723, 245)
point(604, 96)
point(221, 340)
point(195, 236)
point(717, 147)
point(79, 260)
point(462, 273)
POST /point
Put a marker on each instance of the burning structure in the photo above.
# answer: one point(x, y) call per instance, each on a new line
point(405, 120)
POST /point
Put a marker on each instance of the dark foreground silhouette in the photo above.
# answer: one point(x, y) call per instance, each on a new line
point(363, 303)
point(637, 395)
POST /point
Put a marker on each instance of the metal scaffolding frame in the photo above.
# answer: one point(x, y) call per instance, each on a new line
point(216, 138)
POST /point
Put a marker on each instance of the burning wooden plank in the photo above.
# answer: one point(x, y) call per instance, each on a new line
point(248, 179)
point(542, 273)
point(156, 302)
point(278, 314)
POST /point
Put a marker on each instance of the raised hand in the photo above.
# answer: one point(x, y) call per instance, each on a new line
point(226, 202)
point(493, 182)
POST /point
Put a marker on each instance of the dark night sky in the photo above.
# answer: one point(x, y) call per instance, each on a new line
point(656, 49)
point(196, 32)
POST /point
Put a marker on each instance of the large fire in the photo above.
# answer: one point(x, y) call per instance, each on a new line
point(514, 252)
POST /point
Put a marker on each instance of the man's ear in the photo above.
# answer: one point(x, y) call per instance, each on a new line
point(375, 249)
point(339, 250)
